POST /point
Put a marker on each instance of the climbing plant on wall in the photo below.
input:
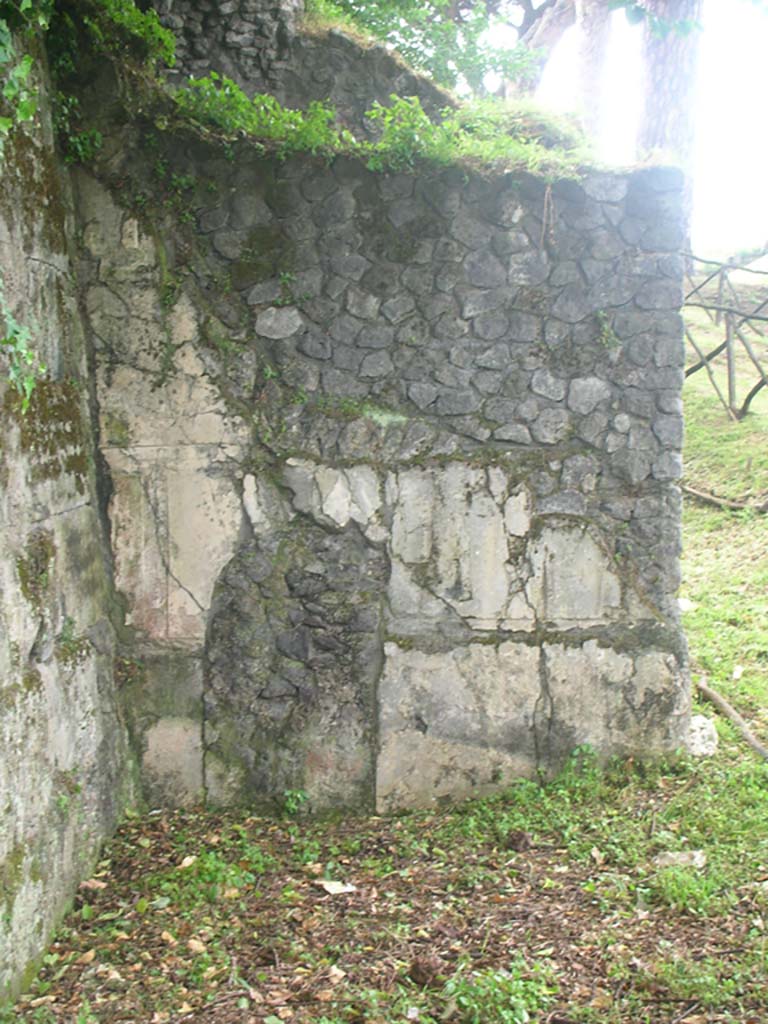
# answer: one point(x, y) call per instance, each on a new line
point(17, 18)
point(24, 366)
point(114, 27)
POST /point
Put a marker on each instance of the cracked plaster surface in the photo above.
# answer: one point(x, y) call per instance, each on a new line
point(461, 546)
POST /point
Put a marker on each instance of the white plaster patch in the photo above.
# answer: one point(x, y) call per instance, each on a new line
point(572, 581)
point(174, 527)
point(336, 496)
point(452, 525)
point(173, 760)
point(454, 723)
point(517, 514)
point(204, 519)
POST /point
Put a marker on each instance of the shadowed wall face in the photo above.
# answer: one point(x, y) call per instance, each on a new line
point(65, 772)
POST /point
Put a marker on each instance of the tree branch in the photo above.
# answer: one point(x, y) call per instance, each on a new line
point(713, 499)
point(552, 19)
point(724, 266)
point(733, 716)
point(531, 15)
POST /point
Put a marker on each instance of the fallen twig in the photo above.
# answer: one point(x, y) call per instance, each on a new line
point(686, 1012)
point(713, 499)
point(733, 715)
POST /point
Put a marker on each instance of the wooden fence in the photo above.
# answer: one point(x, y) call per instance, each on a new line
point(741, 324)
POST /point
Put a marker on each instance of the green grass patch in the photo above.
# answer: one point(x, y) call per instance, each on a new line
point(727, 458)
point(725, 553)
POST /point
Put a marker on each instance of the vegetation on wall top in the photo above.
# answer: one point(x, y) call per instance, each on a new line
point(484, 134)
point(488, 134)
point(115, 27)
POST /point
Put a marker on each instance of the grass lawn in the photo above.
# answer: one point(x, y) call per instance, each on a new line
point(544, 904)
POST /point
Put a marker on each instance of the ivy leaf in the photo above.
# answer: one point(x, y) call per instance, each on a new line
point(26, 109)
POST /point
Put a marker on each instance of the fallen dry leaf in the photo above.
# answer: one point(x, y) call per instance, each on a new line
point(335, 888)
point(278, 996)
point(335, 974)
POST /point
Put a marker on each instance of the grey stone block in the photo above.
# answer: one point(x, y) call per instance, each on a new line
point(586, 393)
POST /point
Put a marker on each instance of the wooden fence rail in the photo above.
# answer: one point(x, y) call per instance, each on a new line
point(728, 312)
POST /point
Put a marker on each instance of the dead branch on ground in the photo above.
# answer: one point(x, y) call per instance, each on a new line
point(733, 716)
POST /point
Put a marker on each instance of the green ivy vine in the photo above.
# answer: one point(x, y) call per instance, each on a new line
point(24, 366)
point(18, 18)
point(115, 27)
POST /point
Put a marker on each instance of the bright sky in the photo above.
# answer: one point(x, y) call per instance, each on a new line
point(731, 175)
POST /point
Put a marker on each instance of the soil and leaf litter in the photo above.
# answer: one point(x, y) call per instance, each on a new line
point(547, 903)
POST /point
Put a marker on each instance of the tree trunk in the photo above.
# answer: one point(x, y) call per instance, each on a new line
point(593, 18)
point(542, 33)
point(670, 63)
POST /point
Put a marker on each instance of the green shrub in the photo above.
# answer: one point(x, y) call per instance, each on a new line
point(407, 136)
point(219, 102)
point(485, 134)
point(118, 26)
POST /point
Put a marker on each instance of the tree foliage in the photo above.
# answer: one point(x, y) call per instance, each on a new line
point(455, 42)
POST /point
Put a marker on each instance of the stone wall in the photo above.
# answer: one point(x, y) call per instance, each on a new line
point(261, 45)
point(383, 467)
point(64, 768)
point(393, 470)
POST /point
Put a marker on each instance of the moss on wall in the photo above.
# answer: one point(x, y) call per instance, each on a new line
point(34, 568)
point(52, 430)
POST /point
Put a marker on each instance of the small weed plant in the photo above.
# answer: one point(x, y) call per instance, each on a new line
point(121, 28)
point(516, 994)
point(80, 145)
point(293, 801)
